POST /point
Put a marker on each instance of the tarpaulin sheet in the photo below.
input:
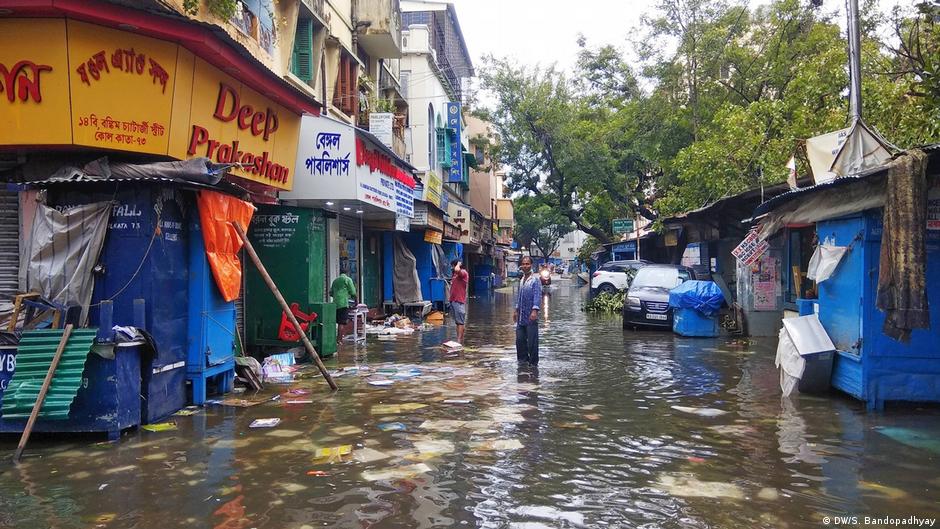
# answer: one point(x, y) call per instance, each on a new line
point(217, 212)
point(703, 296)
point(62, 251)
point(405, 274)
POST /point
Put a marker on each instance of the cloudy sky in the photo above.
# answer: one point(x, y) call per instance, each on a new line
point(545, 31)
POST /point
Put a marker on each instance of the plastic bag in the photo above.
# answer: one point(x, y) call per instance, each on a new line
point(824, 261)
point(703, 296)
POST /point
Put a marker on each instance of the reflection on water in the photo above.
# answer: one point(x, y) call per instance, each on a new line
point(614, 429)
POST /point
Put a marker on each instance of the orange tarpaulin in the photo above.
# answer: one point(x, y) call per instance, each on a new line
point(217, 212)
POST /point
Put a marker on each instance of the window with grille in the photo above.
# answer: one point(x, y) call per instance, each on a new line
point(346, 91)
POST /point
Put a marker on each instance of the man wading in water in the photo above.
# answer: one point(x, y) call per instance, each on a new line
point(526, 314)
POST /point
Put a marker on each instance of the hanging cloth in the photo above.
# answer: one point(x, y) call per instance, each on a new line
point(217, 212)
point(902, 279)
point(405, 275)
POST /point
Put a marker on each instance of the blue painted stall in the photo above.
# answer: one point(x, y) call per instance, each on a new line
point(871, 366)
point(212, 343)
point(145, 272)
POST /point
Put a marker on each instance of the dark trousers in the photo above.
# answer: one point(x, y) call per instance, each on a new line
point(527, 343)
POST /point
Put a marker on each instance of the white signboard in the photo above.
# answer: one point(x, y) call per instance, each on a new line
point(326, 161)
point(380, 125)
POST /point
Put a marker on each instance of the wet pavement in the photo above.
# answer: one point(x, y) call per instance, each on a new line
point(615, 429)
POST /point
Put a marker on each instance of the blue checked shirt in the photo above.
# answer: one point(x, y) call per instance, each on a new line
point(529, 298)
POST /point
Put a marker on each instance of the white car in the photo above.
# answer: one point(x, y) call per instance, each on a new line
point(615, 275)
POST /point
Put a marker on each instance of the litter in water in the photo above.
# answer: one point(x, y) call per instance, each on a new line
point(159, 427)
point(702, 412)
point(265, 423)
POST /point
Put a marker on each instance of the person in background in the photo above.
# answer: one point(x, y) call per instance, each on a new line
point(526, 314)
point(458, 297)
point(342, 289)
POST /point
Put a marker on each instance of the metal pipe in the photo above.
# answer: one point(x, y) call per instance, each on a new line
point(855, 62)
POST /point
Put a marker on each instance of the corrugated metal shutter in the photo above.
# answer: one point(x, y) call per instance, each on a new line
point(240, 302)
point(349, 227)
point(9, 244)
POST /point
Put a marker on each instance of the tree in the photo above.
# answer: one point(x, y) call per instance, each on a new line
point(539, 225)
point(558, 144)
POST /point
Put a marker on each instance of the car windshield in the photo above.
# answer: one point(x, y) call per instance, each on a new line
point(660, 277)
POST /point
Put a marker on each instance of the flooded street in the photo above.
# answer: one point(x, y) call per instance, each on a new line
point(615, 429)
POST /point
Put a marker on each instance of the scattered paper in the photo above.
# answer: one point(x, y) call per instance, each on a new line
point(346, 430)
point(394, 409)
point(457, 401)
point(403, 472)
point(369, 455)
point(381, 382)
point(334, 451)
point(497, 445)
point(392, 427)
point(688, 486)
point(265, 423)
point(160, 427)
point(187, 411)
point(298, 401)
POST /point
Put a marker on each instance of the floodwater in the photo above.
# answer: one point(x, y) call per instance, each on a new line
point(592, 439)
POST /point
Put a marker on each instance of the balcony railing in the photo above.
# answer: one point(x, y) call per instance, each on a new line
point(387, 80)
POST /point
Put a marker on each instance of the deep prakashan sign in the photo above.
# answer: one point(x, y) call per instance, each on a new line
point(93, 86)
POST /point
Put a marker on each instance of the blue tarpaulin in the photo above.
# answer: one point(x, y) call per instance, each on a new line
point(703, 296)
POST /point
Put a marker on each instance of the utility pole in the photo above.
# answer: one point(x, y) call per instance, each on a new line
point(855, 61)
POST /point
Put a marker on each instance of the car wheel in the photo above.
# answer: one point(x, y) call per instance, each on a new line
point(607, 288)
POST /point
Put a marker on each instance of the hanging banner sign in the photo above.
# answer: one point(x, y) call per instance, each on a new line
point(750, 249)
point(456, 151)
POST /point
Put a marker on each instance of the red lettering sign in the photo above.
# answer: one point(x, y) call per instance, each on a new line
point(25, 76)
point(250, 163)
point(228, 107)
point(381, 163)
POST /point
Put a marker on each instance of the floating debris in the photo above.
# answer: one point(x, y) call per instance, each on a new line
point(159, 427)
point(265, 423)
point(689, 486)
point(702, 412)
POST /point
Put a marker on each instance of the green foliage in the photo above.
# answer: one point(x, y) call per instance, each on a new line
point(729, 92)
point(538, 224)
point(606, 302)
point(224, 9)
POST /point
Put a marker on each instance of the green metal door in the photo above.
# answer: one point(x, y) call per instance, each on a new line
point(372, 270)
point(291, 243)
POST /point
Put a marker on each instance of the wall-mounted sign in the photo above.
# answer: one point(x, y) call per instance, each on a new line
point(380, 125)
point(94, 86)
point(433, 236)
point(426, 216)
point(433, 188)
point(334, 164)
point(451, 231)
point(460, 216)
point(629, 246)
point(454, 122)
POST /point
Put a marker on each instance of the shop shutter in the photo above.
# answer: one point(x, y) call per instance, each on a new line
point(240, 303)
point(9, 244)
point(349, 227)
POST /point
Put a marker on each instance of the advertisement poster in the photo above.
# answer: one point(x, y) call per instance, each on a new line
point(766, 284)
point(750, 249)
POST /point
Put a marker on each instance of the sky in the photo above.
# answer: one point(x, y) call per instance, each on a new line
point(545, 31)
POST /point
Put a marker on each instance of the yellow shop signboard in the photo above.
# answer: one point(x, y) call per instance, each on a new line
point(93, 86)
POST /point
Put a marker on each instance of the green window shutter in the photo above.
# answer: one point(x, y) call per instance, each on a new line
point(443, 148)
point(302, 54)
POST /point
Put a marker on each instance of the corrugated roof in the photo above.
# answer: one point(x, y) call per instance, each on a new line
point(781, 199)
point(34, 355)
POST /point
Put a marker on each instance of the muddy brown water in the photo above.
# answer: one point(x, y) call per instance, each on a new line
point(590, 439)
